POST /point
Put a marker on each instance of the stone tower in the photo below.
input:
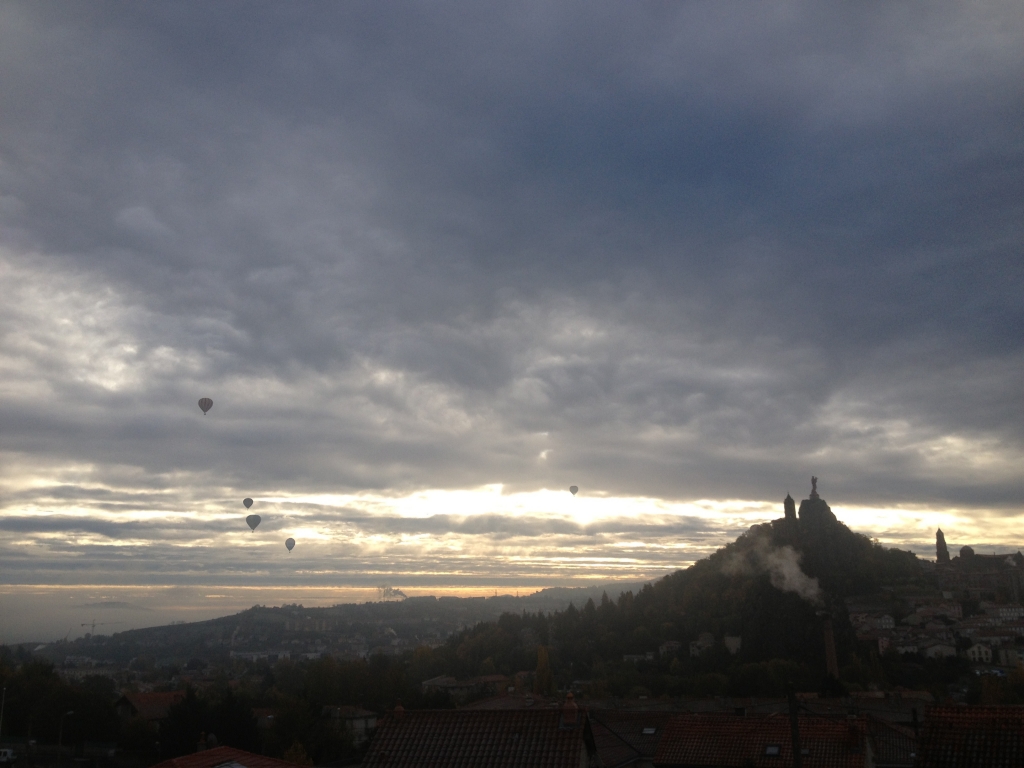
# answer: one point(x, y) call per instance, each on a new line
point(789, 504)
point(941, 550)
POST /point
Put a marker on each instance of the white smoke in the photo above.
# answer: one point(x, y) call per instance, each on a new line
point(782, 564)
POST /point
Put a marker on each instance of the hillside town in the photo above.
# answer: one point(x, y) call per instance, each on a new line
point(974, 613)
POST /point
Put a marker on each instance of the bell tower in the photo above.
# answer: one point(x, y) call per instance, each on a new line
point(941, 550)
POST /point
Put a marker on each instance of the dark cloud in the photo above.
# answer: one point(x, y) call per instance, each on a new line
point(683, 251)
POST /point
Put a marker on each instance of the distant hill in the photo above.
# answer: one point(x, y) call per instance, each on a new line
point(361, 627)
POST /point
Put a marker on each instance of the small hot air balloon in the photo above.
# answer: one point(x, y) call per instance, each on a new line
point(247, 503)
point(290, 543)
point(253, 521)
point(205, 404)
point(573, 489)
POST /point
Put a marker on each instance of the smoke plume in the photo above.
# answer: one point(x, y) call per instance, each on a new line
point(782, 564)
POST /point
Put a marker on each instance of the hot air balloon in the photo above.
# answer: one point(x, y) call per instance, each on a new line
point(205, 404)
point(247, 503)
point(573, 489)
point(290, 543)
point(253, 521)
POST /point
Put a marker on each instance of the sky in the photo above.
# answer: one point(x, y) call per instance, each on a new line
point(436, 262)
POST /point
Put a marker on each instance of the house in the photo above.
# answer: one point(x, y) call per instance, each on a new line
point(734, 741)
point(627, 739)
point(484, 738)
point(701, 644)
point(938, 650)
point(462, 691)
point(884, 642)
point(638, 657)
point(1011, 657)
point(669, 648)
point(967, 736)
point(224, 757)
point(359, 722)
point(152, 707)
point(980, 654)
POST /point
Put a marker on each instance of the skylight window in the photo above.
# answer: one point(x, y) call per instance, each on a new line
point(649, 731)
point(772, 750)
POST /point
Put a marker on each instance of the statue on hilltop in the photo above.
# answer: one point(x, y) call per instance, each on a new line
point(814, 509)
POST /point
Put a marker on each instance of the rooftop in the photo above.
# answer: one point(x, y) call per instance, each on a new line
point(460, 738)
point(958, 737)
point(710, 740)
point(224, 756)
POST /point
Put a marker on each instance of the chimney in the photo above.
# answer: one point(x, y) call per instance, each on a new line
point(399, 710)
point(831, 664)
point(794, 727)
point(570, 712)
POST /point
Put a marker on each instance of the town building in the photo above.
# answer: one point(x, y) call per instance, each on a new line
point(980, 654)
point(705, 641)
point(358, 722)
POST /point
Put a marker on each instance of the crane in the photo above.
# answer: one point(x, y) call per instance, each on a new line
point(93, 624)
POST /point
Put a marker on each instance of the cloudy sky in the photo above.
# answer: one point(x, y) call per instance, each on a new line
point(435, 262)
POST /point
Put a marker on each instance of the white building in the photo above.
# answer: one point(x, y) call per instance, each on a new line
point(980, 654)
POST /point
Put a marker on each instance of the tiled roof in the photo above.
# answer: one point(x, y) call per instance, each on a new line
point(153, 706)
point(218, 756)
point(959, 737)
point(892, 744)
point(737, 740)
point(461, 738)
point(622, 738)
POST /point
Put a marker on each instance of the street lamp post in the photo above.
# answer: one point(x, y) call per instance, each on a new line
point(60, 737)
